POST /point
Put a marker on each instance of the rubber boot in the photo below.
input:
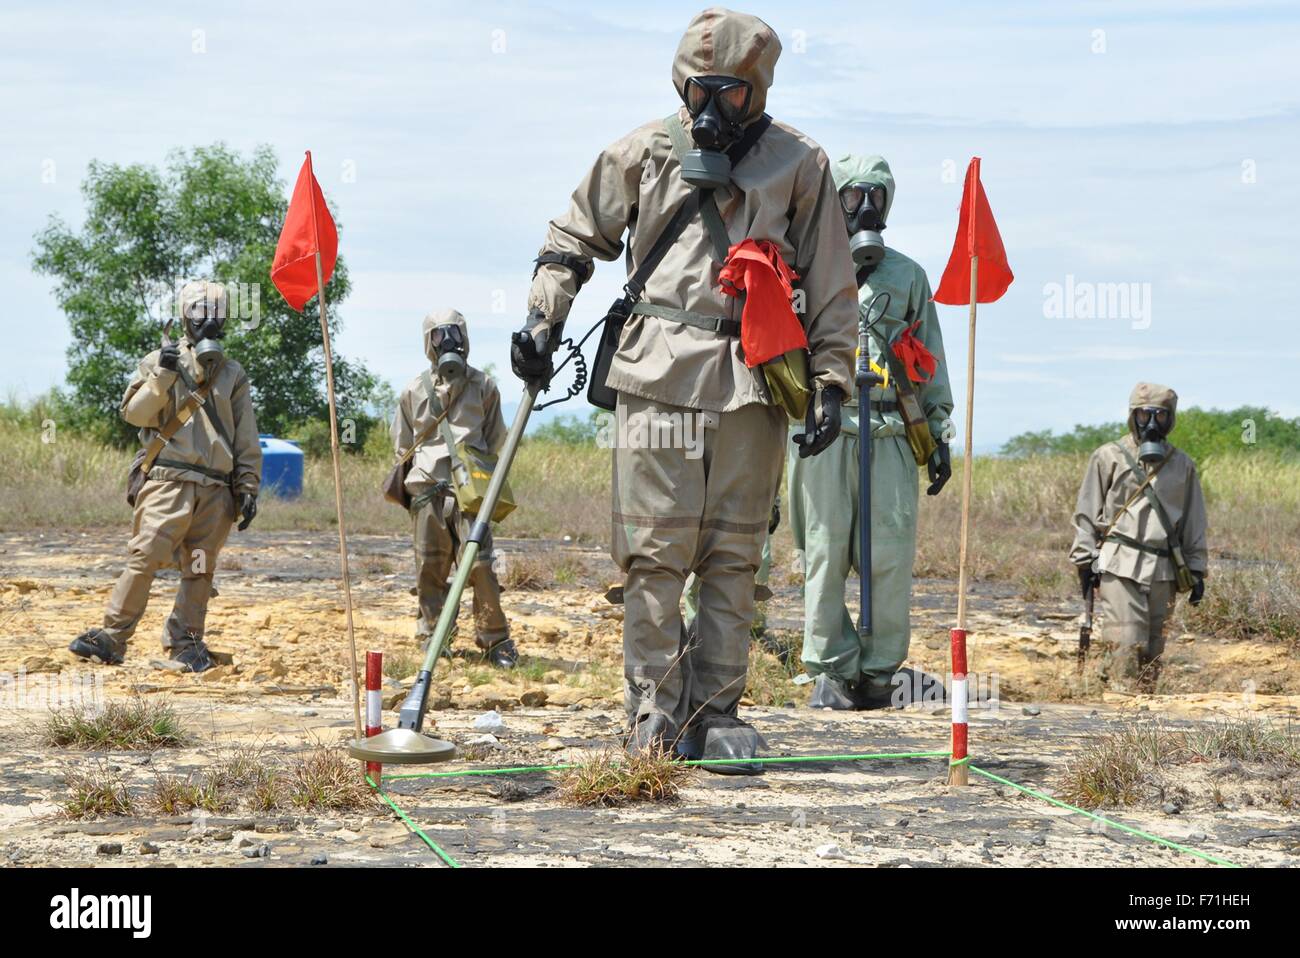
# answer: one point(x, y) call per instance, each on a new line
point(97, 646)
point(652, 732)
point(905, 687)
point(192, 654)
point(727, 737)
point(832, 693)
point(503, 655)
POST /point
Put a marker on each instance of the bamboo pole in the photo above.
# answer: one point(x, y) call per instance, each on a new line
point(338, 492)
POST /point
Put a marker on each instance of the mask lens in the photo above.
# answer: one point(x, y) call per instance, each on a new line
point(733, 101)
point(851, 198)
point(877, 196)
point(697, 96)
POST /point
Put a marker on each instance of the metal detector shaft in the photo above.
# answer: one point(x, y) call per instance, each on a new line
point(1085, 630)
point(865, 378)
point(864, 381)
point(411, 715)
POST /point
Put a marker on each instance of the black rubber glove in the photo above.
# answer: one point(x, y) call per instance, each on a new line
point(775, 519)
point(530, 352)
point(247, 509)
point(826, 426)
point(1198, 589)
point(169, 356)
point(939, 466)
point(1087, 579)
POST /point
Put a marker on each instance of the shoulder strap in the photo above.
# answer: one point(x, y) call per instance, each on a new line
point(428, 430)
point(1171, 536)
point(708, 204)
point(192, 402)
point(440, 421)
point(208, 409)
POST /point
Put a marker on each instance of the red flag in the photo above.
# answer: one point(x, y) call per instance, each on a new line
point(768, 325)
point(977, 235)
point(308, 229)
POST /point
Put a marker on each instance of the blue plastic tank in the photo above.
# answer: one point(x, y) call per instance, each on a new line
point(282, 462)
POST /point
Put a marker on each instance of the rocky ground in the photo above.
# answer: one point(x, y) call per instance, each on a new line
point(284, 688)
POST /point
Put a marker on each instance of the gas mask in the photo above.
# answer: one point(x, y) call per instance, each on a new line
point(717, 105)
point(864, 214)
point(450, 347)
point(204, 325)
point(1152, 426)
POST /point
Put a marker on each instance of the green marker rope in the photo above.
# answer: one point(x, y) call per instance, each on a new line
point(437, 849)
point(524, 769)
point(772, 760)
point(1105, 821)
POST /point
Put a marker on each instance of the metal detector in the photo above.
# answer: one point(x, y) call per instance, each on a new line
point(866, 378)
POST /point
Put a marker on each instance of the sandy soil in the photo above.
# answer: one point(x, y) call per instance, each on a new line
point(279, 623)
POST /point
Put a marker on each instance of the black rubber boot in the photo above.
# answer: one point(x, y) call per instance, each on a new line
point(832, 693)
point(652, 732)
point(905, 687)
point(97, 646)
point(503, 655)
point(192, 654)
point(727, 737)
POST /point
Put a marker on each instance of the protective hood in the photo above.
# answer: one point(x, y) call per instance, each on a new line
point(864, 169)
point(442, 317)
point(1152, 394)
point(720, 42)
point(200, 293)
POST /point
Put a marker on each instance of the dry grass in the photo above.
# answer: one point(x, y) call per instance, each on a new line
point(612, 777)
point(134, 724)
point(769, 680)
point(325, 779)
point(97, 793)
point(1140, 763)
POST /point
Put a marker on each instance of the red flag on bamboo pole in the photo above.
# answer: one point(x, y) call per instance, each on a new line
point(977, 272)
point(977, 235)
point(304, 261)
point(308, 229)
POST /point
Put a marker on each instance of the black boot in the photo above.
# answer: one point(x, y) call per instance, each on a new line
point(652, 732)
point(98, 646)
point(503, 655)
point(192, 654)
point(832, 693)
point(905, 687)
point(727, 737)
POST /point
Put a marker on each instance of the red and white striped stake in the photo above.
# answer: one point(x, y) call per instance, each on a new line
point(959, 702)
point(374, 706)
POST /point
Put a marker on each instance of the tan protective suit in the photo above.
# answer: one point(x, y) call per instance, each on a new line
point(183, 513)
point(439, 527)
point(674, 515)
point(1137, 581)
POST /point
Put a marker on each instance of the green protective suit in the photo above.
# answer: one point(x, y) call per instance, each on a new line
point(823, 490)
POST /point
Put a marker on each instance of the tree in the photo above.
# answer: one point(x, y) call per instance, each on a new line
point(208, 214)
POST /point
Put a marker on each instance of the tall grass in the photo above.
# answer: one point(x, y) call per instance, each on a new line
point(1021, 514)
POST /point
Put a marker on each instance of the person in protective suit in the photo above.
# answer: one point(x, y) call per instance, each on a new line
point(1139, 535)
point(471, 403)
point(679, 354)
point(852, 672)
point(208, 473)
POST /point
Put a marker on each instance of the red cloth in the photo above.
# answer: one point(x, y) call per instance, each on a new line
point(914, 355)
point(308, 228)
point(768, 325)
point(977, 235)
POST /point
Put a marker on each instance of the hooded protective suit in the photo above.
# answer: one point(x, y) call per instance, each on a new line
point(824, 513)
point(474, 417)
point(184, 511)
point(673, 515)
point(1120, 536)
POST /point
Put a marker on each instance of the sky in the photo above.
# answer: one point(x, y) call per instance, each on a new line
point(1141, 157)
